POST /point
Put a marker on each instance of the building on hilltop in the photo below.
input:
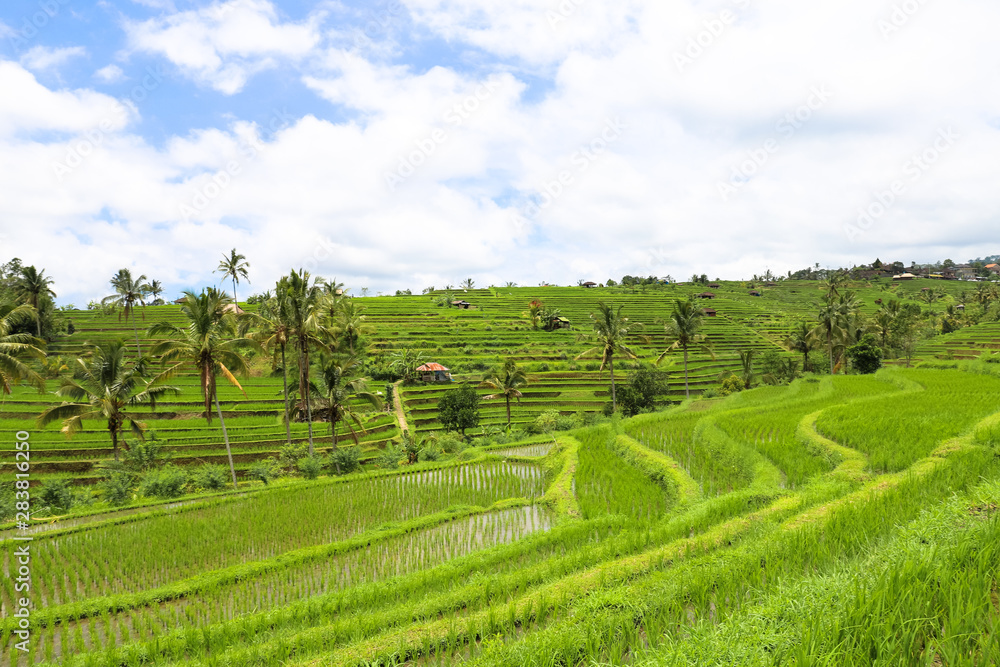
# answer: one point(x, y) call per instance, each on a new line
point(706, 295)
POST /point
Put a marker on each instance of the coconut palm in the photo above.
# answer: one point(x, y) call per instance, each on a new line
point(234, 266)
point(13, 346)
point(802, 339)
point(611, 330)
point(31, 288)
point(468, 283)
point(337, 391)
point(155, 290)
point(303, 303)
point(682, 328)
point(406, 361)
point(271, 328)
point(105, 387)
point(507, 382)
point(129, 293)
point(210, 345)
point(348, 323)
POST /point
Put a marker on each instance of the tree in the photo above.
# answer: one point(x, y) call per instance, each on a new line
point(468, 283)
point(405, 362)
point(643, 388)
point(611, 330)
point(31, 288)
point(129, 293)
point(105, 387)
point(802, 339)
point(210, 345)
point(682, 328)
point(155, 290)
point(271, 329)
point(458, 409)
point(339, 392)
point(234, 266)
point(303, 301)
point(13, 346)
point(507, 381)
point(534, 313)
point(830, 323)
point(349, 323)
point(866, 356)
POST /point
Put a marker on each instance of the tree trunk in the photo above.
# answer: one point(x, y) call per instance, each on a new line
point(333, 437)
point(225, 438)
point(687, 393)
point(236, 300)
point(136, 330)
point(304, 388)
point(284, 381)
point(829, 342)
point(114, 439)
point(611, 367)
point(508, 411)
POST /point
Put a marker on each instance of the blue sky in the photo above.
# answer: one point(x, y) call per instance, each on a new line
point(413, 143)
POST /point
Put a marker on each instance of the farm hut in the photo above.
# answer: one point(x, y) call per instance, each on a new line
point(590, 284)
point(754, 292)
point(560, 323)
point(714, 286)
point(706, 295)
point(709, 312)
point(770, 284)
point(461, 304)
point(878, 302)
point(232, 308)
point(904, 276)
point(180, 301)
point(433, 372)
point(960, 306)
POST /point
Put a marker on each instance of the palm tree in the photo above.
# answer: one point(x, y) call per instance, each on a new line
point(802, 339)
point(104, 387)
point(15, 345)
point(828, 327)
point(337, 391)
point(155, 290)
point(272, 330)
point(303, 303)
point(234, 266)
point(682, 328)
point(611, 331)
point(507, 382)
point(31, 288)
point(209, 344)
point(468, 283)
point(129, 293)
point(349, 322)
point(405, 362)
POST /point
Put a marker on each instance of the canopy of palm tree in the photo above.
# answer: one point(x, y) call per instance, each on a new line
point(105, 387)
point(14, 346)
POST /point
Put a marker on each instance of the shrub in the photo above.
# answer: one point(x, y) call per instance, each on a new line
point(116, 488)
point(289, 455)
point(389, 458)
point(263, 471)
point(546, 422)
point(210, 477)
point(866, 355)
point(711, 392)
point(167, 482)
point(731, 385)
point(450, 444)
point(310, 467)
point(430, 453)
point(344, 460)
point(8, 507)
point(57, 494)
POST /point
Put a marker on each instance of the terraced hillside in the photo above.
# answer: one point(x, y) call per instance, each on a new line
point(839, 521)
point(470, 341)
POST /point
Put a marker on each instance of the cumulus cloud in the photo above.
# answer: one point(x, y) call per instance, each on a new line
point(109, 74)
point(224, 44)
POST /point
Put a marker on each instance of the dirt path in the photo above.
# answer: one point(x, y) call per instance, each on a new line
point(397, 400)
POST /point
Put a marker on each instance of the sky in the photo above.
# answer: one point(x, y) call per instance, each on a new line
point(414, 143)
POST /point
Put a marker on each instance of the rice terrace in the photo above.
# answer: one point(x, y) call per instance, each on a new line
point(794, 471)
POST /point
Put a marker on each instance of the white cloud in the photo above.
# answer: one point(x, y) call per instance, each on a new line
point(312, 190)
point(39, 58)
point(109, 74)
point(226, 43)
